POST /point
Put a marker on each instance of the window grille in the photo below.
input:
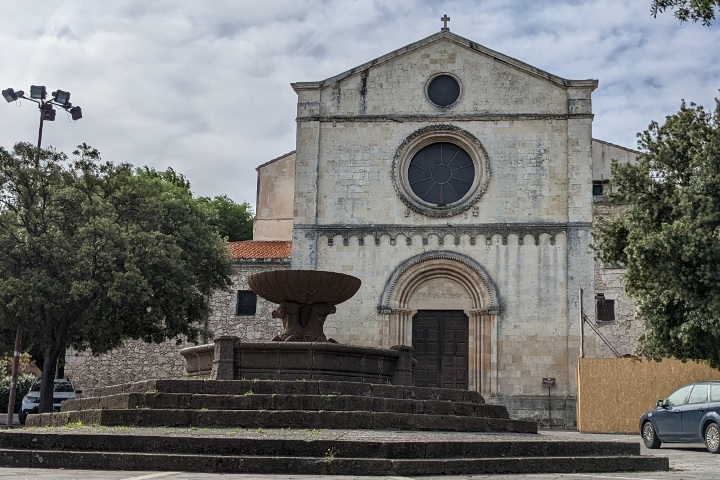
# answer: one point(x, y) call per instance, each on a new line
point(246, 303)
point(604, 308)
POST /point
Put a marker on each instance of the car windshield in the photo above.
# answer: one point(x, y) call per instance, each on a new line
point(678, 397)
point(60, 387)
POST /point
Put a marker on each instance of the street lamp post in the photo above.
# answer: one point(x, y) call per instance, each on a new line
point(60, 98)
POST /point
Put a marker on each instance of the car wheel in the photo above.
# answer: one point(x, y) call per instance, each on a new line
point(649, 436)
point(712, 438)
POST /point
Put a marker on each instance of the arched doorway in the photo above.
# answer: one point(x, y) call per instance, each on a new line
point(453, 283)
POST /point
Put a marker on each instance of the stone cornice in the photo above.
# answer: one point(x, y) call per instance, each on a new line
point(261, 261)
point(487, 230)
point(489, 117)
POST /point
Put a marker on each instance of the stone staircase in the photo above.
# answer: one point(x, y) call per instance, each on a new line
point(310, 427)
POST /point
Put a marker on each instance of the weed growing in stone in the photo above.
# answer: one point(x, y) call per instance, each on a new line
point(330, 454)
point(248, 393)
point(260, 430)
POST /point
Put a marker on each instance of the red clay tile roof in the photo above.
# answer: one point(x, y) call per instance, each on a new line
point(251, 249)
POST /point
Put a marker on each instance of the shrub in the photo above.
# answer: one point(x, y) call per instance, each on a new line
point(24, 382)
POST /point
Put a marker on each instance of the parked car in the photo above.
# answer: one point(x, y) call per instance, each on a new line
point(689, 414)
point(63, 390)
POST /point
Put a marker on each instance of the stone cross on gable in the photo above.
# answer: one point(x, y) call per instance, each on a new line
point(445, 19)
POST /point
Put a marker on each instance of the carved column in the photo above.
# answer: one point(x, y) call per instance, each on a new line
point(399, 326)
point(475, 364)
point(482, 354)
point(386, 330)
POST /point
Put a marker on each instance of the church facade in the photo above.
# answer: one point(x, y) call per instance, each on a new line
point(457, 183)
point(460, 185)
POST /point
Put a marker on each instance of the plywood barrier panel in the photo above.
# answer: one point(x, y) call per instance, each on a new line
point(614, 392)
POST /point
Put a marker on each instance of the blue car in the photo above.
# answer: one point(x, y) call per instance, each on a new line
point(690, 414)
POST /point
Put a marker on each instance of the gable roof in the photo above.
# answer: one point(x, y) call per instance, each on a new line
point(274, 160)
point(469, 44)
point(251, 249)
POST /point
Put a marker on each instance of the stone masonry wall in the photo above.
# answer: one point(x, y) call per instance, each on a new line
point(136, 360)
point(609, 280)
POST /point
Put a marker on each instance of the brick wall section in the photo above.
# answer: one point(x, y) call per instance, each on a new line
point(136, 360)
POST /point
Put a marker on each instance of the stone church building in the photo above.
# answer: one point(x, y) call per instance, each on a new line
point(460, 185)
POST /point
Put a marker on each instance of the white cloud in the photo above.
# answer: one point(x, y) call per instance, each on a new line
point(203, 87)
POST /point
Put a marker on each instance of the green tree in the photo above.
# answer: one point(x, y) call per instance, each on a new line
point(233, 221)
point(668, 236)
point(93, 253)
point(695, 10)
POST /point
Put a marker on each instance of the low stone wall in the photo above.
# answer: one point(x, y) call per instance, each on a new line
point(234, 359)
point(547, 411)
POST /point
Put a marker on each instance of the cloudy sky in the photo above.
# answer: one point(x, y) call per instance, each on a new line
point(204, 86)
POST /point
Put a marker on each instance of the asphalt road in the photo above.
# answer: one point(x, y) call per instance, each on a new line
point(687, 462)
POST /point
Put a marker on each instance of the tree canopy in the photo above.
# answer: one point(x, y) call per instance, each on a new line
point(693, 10)
point(94, 253)
point(233, 221)
point(668, 236)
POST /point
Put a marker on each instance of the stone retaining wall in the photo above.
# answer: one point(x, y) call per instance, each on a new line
point(137, 360)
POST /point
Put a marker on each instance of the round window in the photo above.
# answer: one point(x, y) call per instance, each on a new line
point(441, 173)
point(443, 90)
point(440, 170)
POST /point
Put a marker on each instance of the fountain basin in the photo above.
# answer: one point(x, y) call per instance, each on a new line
point(306, 298)
point(233, 359)
point(304, 286)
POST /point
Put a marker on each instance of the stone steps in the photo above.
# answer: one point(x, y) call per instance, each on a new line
point(279, 419)
point(284, 404)
point(317, 457)
point(234, 443)
point(252, 401)
point(285, 387)
point(345, 428)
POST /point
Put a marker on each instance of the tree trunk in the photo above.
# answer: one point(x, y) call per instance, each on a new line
point(47, 382)
point(60, 372)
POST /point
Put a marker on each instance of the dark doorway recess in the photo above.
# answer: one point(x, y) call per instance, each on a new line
point(440, 340)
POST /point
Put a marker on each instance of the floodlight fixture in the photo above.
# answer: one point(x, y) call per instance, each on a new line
point(76, 113)
point(38, 92)
point(9, 95)
point(61, 97)
point(48, 112)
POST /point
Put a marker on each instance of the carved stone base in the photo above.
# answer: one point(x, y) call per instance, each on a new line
point(303, 322)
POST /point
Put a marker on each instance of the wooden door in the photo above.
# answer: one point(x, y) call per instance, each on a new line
point(440, 340)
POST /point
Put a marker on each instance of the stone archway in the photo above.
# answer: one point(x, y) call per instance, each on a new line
point(458, 283)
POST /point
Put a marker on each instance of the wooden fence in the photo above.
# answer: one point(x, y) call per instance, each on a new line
point(614, 392)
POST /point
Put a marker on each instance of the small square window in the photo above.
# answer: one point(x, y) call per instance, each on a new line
point(246, 303)
point(604, 308)
point(597, 188)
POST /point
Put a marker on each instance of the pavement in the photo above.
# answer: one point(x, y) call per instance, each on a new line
point(687, 462)
point(3, 420)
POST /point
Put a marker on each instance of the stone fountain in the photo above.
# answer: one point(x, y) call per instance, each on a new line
point(301, 351)
point(306, 298)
